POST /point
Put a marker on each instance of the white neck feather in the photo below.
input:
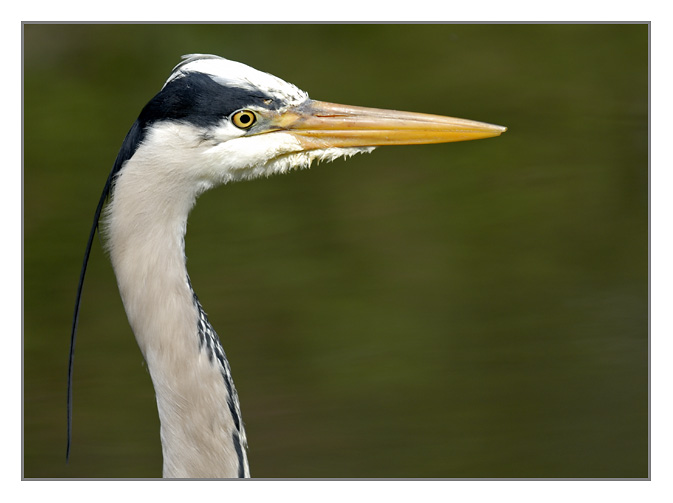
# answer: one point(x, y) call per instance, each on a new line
point(145, 226)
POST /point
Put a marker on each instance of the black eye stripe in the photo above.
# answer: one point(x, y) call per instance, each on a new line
point(197, 99)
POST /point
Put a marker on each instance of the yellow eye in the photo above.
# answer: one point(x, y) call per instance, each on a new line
point(243, 119)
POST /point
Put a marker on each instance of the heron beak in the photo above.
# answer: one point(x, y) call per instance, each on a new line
point(319, 125)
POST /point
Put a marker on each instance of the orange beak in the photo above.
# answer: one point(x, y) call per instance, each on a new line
point(320, 125)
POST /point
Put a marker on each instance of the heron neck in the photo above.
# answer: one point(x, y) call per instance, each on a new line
point(145, 239)
point(145, 232)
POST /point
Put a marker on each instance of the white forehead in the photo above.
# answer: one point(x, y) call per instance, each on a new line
point(234, 74)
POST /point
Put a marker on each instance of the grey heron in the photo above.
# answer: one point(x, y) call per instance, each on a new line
point(215, 121)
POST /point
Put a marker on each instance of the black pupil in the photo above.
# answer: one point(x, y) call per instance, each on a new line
point(245, 118)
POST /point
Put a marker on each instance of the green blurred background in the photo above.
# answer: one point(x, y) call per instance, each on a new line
point(476, 309)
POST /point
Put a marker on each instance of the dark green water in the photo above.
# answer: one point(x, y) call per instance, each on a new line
point(476, 309)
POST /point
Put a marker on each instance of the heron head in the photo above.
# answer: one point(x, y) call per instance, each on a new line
point(217, 120)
